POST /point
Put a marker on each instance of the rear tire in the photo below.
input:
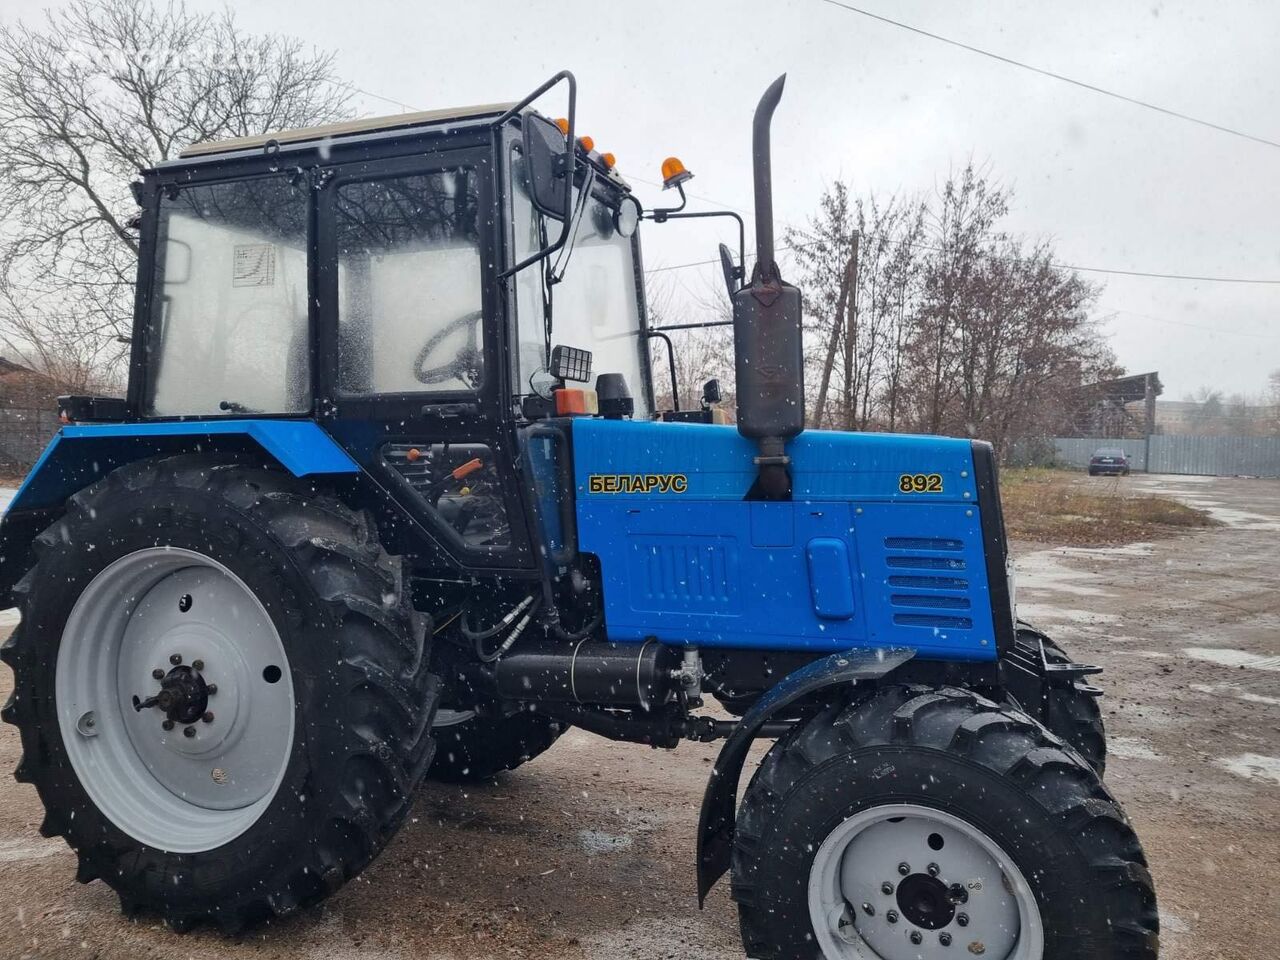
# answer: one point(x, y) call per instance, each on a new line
point(360, 702)
point(1014, 831)
point(480, 746)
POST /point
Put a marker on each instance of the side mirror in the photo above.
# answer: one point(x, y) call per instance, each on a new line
point(731, 274)
point(711, 393)
point(546, 151)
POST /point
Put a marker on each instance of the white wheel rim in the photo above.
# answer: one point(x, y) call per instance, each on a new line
point(177, 791)
point(876, 881)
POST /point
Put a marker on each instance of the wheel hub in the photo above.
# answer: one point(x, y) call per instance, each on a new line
point(925, 901)
point(183, 696)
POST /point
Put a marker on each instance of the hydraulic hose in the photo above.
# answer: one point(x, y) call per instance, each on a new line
point(474, 635)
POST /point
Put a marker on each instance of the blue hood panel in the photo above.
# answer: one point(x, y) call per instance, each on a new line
point(881, 545)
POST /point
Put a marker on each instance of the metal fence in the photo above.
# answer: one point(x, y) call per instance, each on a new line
point(1206, 456)
point(24, 433)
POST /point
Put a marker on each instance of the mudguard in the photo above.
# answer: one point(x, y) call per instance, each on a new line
point(717, 821)
point(81, 454)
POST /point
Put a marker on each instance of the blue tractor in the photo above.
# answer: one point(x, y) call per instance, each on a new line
point(388, 499)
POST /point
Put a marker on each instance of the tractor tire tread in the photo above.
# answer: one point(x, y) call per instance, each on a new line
point(382, 685)
point(1073, 710)
point(1003, 741)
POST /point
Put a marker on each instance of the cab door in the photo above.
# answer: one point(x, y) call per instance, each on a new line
point(411, 356)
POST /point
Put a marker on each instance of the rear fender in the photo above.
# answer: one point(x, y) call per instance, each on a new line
point(717, 822)
point(81, 454)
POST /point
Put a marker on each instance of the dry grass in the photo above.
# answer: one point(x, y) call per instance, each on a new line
point(1054, 506)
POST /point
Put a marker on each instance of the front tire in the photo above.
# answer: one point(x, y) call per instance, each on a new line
point(870, 830)
point(243, 608)
point(1070, 705)
point(1072, 712)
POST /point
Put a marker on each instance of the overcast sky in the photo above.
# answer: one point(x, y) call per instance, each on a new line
point(1115, 185)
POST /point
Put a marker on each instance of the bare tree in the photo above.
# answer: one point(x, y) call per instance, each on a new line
point(922, 315)
point(961, 225)
point(858, 259)
point(825, 251)
point(700, 354)
point(97, 91)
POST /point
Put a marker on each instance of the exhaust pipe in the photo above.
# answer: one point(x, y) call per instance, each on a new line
point(768, 349)
point(762, 170)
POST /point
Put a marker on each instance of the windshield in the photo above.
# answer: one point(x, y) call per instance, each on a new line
point(595, 306)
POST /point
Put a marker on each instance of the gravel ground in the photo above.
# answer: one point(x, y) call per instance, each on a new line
point(587, 853)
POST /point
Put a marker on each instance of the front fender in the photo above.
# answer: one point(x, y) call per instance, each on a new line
point(81, 454)
point(717, 821)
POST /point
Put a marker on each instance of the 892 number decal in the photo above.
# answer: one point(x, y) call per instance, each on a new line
point(920, 483)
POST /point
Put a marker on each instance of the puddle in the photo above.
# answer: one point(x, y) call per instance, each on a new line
point(660, 940)
point(1227, 516)
point(1221, 689)
point(1171, 923)
point(596, 842)
point(1131, 748)
point(1036, 612)
point(1252, 766)
point(1043, 570)
point(17, 851)
point(1241, 519)
point(1227, 657)
point(1128, 550)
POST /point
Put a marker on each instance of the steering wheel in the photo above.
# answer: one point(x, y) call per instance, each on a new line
point(465, 364)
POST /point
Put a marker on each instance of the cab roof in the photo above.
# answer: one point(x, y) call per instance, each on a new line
point(347, 128)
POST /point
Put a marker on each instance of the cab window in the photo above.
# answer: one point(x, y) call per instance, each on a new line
point(229, 330)
point(409, 284)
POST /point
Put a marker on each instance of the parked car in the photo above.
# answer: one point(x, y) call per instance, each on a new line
point(1109, 460)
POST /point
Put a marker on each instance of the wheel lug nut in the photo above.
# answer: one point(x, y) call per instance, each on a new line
point(934, 869)
point(167, 724)
point(962, 919)
point(892, 916)
point(904, 868)
point(211, 689)
point(886, 888)
point(869, 910)
point(188, 732)
point(157, 674)
point(915, 936)
point(175, 658)
point(197, 664)
point(944, 938)
point(208, 716)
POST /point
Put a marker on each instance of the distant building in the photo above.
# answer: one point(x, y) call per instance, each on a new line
point(1215, 417)
point(1123, 407)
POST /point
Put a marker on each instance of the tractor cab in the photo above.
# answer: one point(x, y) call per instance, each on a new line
point(422, 286)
